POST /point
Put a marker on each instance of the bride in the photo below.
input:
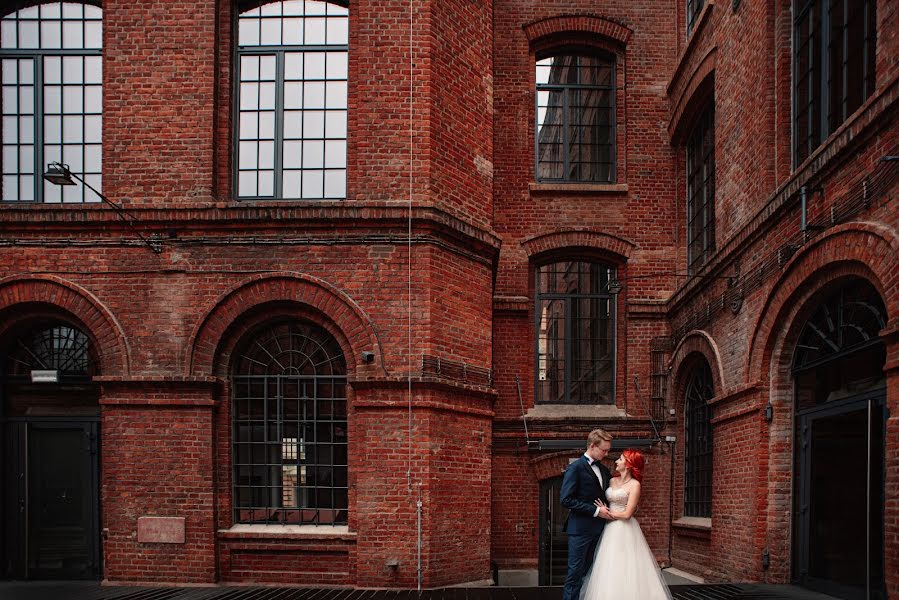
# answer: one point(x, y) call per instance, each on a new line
point(624, 567)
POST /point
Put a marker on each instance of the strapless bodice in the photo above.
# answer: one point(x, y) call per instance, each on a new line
point(617, 498)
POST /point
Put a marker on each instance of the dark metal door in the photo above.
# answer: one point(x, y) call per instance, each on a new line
point(840, 481)
point(553, 539)
point(51, 508)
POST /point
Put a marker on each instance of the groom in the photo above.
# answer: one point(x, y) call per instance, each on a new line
point(585, 481)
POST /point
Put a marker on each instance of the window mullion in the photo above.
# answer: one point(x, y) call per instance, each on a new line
point(566, 135)
point(279, 125)
point(568, 350)
point(38, 64)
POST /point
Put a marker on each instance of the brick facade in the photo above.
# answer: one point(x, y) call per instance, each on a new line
point(424, 276)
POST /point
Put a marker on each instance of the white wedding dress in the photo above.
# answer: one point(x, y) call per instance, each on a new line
point(624, 567)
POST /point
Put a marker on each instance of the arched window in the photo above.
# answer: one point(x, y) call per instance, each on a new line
point(575, 129)
point(52, 75)
point(54, 347)
point(290, 427)
point(698, 444)
point(292, 101)
point(701, 191)
point(840, 352)
point(575, 333)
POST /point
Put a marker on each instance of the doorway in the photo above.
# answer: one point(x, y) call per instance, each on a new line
point(841, 495)
point(840, 445)
point(553, 563)
point(51, 511)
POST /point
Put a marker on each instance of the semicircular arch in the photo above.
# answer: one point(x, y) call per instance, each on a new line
point(22, 297)
point(240, 308)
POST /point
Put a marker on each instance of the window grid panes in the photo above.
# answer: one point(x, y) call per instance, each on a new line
point(292, 101)
point(575, 112)
point(290, 428)
point(701, 191)
point(52, 78)
point(575, 333)
point(833, 67)
point(698, 451)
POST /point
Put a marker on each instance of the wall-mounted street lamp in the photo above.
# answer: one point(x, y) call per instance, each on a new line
point(60, 174)
point(615, 286)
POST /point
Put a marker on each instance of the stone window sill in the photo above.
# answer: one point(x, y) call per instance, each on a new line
point(578, 188)
point(303, 532)
point(695, 526)
point(569, 411)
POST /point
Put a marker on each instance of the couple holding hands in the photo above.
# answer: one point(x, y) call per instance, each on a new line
point(608, 557)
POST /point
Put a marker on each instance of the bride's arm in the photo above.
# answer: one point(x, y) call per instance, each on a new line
point(632, 501)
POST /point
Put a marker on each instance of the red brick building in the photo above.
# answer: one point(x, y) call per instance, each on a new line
point(340, 288)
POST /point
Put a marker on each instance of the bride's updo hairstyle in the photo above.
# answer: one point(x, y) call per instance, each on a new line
point(635, 462)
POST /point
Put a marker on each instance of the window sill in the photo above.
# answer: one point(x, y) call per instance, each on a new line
point(575, 411)
point(578, 188)
point(694, 526)
point(281, 532)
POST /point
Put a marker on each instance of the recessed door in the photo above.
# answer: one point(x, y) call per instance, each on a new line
point(553, 539)
point(51, 508)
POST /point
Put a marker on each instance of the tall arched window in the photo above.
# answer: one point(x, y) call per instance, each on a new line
point(291, 132)
point(290, 427)
point(698, 445)
point(575, 129)
point(52, 104)
point(575, 333)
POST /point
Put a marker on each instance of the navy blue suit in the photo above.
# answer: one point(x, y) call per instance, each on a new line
point(580, 487)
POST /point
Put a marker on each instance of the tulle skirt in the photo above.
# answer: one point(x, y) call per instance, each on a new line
point(624, 567)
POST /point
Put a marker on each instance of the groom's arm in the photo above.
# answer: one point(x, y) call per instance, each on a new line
point(569, 493)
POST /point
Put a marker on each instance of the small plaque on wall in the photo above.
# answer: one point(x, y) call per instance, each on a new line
point(160, 530)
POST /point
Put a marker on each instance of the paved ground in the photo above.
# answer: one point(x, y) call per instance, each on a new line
point(93, 591)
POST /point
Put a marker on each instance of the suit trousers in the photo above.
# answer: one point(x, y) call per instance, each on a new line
point(581, 551)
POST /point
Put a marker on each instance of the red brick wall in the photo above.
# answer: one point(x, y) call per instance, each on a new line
point(157, 460)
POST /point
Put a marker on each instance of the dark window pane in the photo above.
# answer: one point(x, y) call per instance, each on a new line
point(575, 118)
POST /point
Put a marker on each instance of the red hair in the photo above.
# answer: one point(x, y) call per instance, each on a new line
point(635, 462)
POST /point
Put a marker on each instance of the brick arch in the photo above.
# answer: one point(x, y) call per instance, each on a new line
point(547, 466)
point(19, 295)
point(566, 25)
point(695, 344)
point(691, 101)
point(863, 250)
point(352, 327)
point(619, 248)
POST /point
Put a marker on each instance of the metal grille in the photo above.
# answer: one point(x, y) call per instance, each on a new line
point(698, 452)
point(59, 348)
point(660, 348)
point(833, 67)
point(290, 428)
point(575, 130)
point(52, 73)
point(575, 333)
point(701, 191)
point(292, 100)
point(848, 320)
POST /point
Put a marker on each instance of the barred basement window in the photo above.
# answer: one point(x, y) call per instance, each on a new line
point(833, 67)
point(52, 73)
point(291, 135)
point(698, 450)
point(575, 321)
point(701, 191)
point(289, 419)
point(575, 130)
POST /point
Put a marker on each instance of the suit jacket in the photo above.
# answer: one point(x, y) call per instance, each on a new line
point(580, 487)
